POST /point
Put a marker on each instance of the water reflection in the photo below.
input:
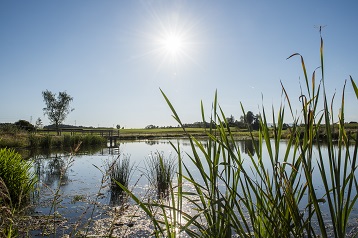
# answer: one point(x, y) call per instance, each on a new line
point(84, 176)
point(248, 146)
point(56, 172)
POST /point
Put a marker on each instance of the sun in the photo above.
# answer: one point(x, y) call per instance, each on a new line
point(173, 44)
point(171, 38)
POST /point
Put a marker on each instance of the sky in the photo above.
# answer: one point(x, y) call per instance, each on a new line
point(114, 57)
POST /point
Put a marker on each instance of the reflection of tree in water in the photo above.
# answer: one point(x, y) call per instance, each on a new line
point(152, 142)
point(248, 146)
point(56, 171)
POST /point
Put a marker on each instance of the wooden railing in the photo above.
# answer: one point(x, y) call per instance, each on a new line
point(73, 131)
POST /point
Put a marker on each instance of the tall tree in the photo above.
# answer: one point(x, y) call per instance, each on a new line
point(250, 117)
point(57, 109)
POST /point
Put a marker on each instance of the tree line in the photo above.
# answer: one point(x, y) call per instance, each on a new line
point(249, 121)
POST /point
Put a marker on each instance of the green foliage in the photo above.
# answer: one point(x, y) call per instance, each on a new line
point(57, 109)
point(46, 141)
point(66, 141)
point(18, 180)
point(8, 128)
point(25, 125)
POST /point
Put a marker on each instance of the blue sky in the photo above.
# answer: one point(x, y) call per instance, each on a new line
point(112, 57)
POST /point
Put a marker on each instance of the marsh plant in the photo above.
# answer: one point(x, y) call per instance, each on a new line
point(17, 183)
point(17, 177)
point(66, 141)
point(120, 170)
point(160, 171)
point(272, 196)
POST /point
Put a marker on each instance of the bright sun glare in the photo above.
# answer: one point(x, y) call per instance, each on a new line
point(173, 44)
point(172, 38)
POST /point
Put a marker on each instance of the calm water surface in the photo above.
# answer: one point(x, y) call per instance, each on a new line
point(83, 187)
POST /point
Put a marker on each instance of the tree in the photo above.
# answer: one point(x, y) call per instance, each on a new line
point(57, 109)
point(231, 120)
point(38, 124)
point(25, 125)
point(250, 117)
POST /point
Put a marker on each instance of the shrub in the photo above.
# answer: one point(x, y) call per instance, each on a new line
point(25, 125)
point(46, 141)
point(34, 141)
point(67, 141)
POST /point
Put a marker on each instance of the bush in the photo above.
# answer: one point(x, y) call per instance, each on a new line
point(25, 125)
point(17, 179)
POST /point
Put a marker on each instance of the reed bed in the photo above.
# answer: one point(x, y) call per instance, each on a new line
point(17, 178)
point(67, 141)
point(120, 171)
point(17, 183)
point(160, 171)
point(265, 197)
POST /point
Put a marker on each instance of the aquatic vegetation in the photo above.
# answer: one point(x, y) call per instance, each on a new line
point(17, 179)
point(160, 171)
point(48, 141)
point(120, 171)
point(265, 197)
point(17, 183)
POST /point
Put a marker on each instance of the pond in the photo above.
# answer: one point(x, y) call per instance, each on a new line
point(81, 197)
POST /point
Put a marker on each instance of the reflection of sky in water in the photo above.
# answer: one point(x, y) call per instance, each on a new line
point(84, 176)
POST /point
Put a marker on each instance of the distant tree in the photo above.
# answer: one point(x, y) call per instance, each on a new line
point(151, 127)
point(24, 125)
point(231, 120)
point(256, 123)
point(252, 120)
point(57, 109)
point(240, 124)
point(250, 117)
point(118, 126)
point(285, 126)
point(38, 123)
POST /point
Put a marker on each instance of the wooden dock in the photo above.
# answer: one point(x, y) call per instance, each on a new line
point(112, 135)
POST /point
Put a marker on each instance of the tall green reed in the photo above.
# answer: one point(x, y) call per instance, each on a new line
point(258, 196)
point(17, 183)
point(17, 177)
point(160, 171)
point(119, 170)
